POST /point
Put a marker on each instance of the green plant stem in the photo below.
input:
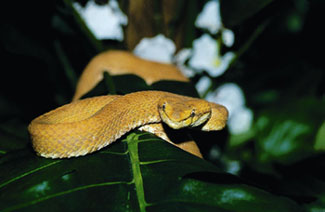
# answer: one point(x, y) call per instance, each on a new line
point(137, 176)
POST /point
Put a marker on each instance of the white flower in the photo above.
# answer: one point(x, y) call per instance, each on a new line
point(232, 97)
point(103, 20)
point(205, 51)
point(182, 56)
point(241, 121)
point(113, 4)
point(158, 48)
point(225, 61)
point(203, 85)
point(206, 56)
point(228, 37)
point(180, 59)
point(210, 18)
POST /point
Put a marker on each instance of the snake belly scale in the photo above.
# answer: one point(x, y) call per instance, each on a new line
point(88, 125)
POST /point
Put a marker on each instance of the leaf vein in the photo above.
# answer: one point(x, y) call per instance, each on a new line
point(26, 204)
point(28, 173)
point(114, 153)
point(156, 161)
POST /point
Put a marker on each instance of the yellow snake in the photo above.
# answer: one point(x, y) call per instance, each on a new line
point(85, 126)
point(88, 125)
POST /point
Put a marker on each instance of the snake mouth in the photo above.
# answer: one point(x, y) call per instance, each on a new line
point(179, 112)
point(201, 119)
point(192, 120)
point(172, 121)
point(176, 124)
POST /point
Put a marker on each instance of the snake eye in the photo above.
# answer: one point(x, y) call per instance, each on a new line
point(193, 113)
point(164, 106)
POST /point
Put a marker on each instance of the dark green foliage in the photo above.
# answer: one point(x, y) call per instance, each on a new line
point(138, 173)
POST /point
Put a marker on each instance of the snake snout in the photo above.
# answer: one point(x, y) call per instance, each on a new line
point(184, 113)
point(176, 114)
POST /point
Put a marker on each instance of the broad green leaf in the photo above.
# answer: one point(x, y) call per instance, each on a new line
point(181, 88)
point(137, 173)
point(287, 133)
point(120, 85)
point(320, 138)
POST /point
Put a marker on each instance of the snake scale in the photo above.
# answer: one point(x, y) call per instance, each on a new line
point(85, 126)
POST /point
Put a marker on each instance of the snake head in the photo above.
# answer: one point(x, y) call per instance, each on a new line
point(180, 112)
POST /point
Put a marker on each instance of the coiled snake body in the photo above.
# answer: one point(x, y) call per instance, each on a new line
point(88, 125)
point(85, 126)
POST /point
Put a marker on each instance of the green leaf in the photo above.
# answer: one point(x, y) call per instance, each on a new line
point(120, 85)
point(234, 12)
point(137, 173)
point(287, 133)
point(182, 88)
point(320, 138)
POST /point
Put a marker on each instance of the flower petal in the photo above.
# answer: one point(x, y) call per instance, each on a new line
point(158, 48)
point(203, 85)
point(180, 59)
point(240, 121)
point(230, 95)
point(221, 65)
point(228, 37)
point(210, 18)
point(103, 20)
point(205, 52)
